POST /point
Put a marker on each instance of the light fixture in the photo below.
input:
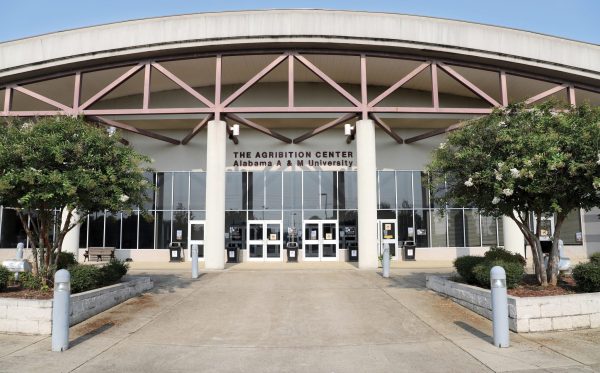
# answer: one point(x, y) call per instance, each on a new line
point(235, 130)
point(348, 128)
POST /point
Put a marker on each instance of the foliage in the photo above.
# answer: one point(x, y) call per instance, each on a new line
point(113, 271)
point(464, 266)
point(595, 258)
point(5, 276)
point(520, 162)
point(30, 281)
point(65, 260)
point(514, 272)
point(84, 277)
point(587, 277)
point(62, 165)
point(500, 253)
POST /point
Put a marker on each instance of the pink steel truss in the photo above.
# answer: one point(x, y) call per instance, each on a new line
point(220, 108)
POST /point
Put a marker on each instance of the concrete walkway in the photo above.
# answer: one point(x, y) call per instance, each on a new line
point(309, 320)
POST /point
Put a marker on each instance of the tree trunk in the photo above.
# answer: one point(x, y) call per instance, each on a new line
point(554, 258)
point(536, 248)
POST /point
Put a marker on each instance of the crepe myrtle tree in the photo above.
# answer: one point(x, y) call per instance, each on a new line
point(524, 162)
point(64, 165)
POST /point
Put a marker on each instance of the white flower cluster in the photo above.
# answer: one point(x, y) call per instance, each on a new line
point(469, 183)
point(496, 200)
point(515, 173)
point(498, 175)
point(598, 161)
point(507, 192)
point(442, 145)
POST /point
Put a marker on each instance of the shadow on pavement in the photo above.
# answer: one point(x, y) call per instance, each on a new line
point(90, 334)
point(474, 331)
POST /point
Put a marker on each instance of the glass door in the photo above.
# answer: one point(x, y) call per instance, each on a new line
point(387, 234)
point(265, 240)
point(320, 241)
point(196, 237)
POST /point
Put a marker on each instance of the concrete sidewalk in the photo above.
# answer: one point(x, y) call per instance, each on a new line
point(311, 320)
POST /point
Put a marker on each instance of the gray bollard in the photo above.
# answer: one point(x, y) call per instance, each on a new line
point(386, 261)
point(499, 307)
point(60, 310)
point(194, 261)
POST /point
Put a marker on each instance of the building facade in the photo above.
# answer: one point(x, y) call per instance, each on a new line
point(304, 126)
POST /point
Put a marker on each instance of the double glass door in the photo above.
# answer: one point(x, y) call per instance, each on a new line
point(196, 237)
point(320, 241)
point(387, 235)
point(265, 242)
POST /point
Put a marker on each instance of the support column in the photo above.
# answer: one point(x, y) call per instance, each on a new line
point(513, 238)
point(367, 194)
point(214, 232)
point(71, 241)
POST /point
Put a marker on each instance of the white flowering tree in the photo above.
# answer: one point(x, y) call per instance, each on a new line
point(524, 163)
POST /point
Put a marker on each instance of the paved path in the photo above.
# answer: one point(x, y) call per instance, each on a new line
point(309, 320)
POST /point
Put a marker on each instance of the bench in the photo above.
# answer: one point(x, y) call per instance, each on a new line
point(99, 253)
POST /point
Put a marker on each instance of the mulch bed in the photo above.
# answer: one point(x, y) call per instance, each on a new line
point(17, 292)
point(529, 287)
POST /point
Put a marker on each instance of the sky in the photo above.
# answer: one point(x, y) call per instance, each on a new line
point(573, 19)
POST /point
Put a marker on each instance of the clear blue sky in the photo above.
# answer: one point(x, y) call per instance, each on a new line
point(573, 19)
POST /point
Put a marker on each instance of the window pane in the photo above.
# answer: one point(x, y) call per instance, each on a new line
point(438, 229)
point(500, 232)
point(197, 215)
point(129, 235)
point(387, 189)
point(150, 192)
point(180, 190)
point(571, 229)
point(472, 231)
point(348, 196)
point(163, 229)
point(273, 190)
point(488, 231)
point(197, 191)
point(422, 231)
point(113, 230)
point(420, 188)
point(164, 186)
point(386, 214)
point(83, 233)
point(328, 190)
point(311, 190)
point(235, 190)
point(456, 234)
point(146, 235)
point(12, 230)
point(404, 189)
point(256, 190)
point(292, 190)
point(405, 225)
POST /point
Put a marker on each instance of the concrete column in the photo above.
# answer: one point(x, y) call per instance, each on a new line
point(367, 194)
point(513, 238)
point(71, 240)
point(214, 232)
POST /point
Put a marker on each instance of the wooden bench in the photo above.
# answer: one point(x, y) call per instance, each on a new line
point(99, 253)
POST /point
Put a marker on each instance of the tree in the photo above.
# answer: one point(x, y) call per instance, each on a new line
point(64, 165)
point(524, 163)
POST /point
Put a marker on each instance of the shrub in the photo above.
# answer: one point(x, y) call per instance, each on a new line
point(5, 276)
point(112, 272)
point(30, 281)
point(464, 266)
point(499, 253)
point(84, 277)
point(595, 258)
point(587, 277)
point(65, 260)
point(514, 272)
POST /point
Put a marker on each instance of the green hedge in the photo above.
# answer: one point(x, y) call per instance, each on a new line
point(5, 276)
point(89, 277)
point(475, 270)
point(587, 277)
point(498, 253)
point(595, 258)
point(65, 260)
point(30, 281)
point(514, 272)
point(112, 272)
point(464, 266)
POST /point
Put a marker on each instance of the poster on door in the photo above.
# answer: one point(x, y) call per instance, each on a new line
point(273, 236)
point(328, 236)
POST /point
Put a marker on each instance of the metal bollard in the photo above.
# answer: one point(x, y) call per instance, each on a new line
point(386, 261)
point(499, 307)
point(194, 261)
point(60, 310)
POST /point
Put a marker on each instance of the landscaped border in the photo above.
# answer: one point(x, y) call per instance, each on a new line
point(526, 314)
point(33, 316)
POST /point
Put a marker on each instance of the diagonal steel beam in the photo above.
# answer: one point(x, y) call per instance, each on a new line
point(130, 128)
point(467, 84)
point(400, 83)
point(259, 128)
point(255, 79)
point(436, 132)
point(324, 127)
point(7, 100)
point(547, 93)
point(39, 97)
point(387, 129)
point(117, 82)
point(182, 84)
point(324, 77)
point(196, 129)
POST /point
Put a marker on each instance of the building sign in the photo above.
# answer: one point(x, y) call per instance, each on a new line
point(319, 158)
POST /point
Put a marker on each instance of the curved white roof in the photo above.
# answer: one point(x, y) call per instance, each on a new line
point(314, 28)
